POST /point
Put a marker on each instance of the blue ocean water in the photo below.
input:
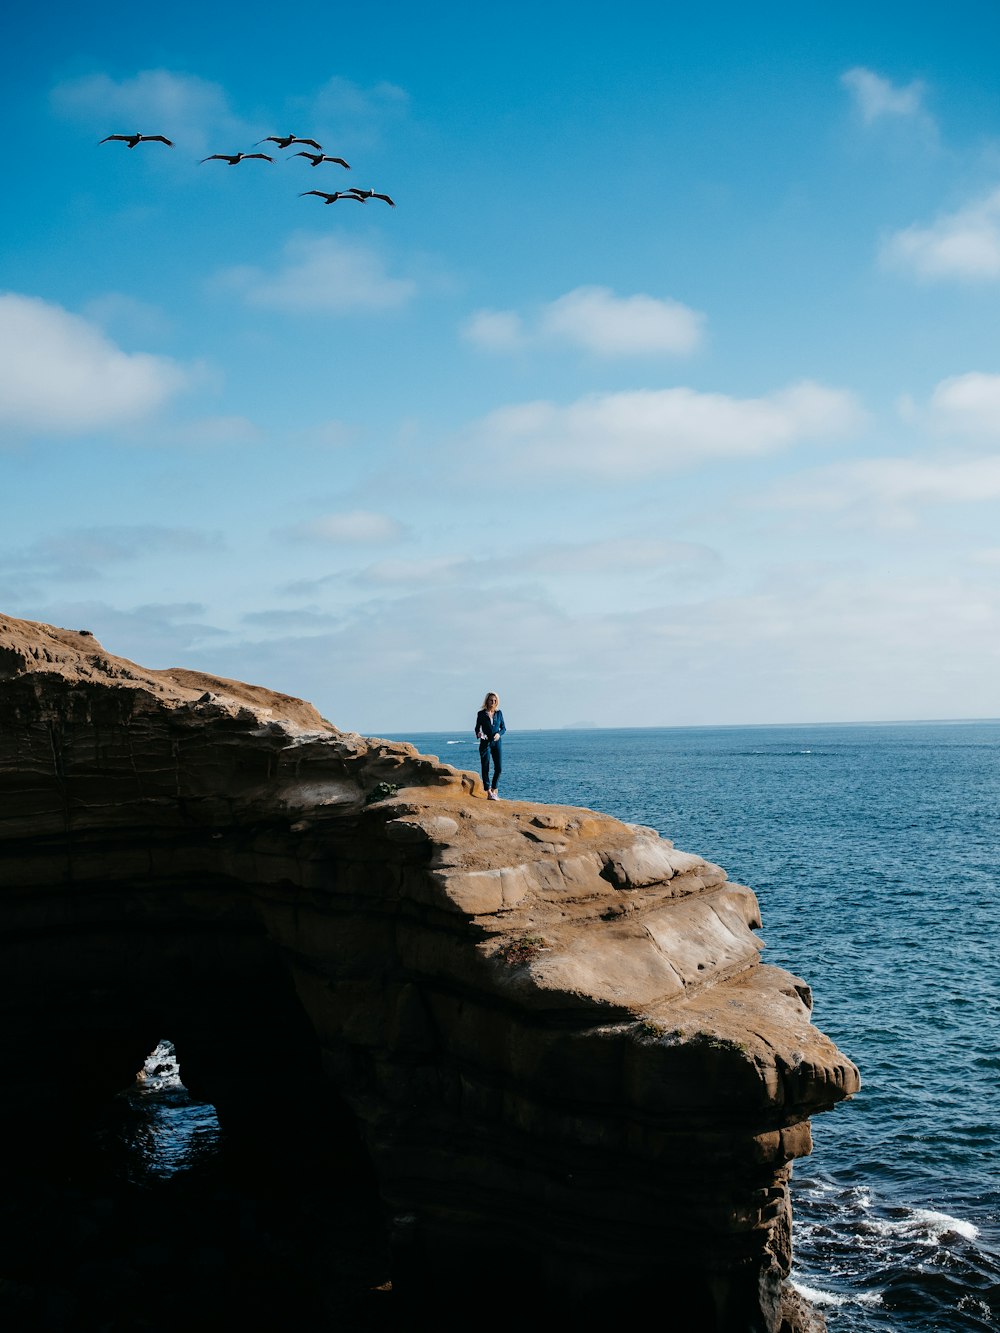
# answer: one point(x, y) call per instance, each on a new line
point(875, 854)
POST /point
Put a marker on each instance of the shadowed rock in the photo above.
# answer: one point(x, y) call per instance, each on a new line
point(550, 1032)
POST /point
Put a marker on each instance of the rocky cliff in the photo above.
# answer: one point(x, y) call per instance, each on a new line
point(550, 1033)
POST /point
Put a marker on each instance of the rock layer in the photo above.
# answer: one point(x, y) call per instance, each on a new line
point(550, 1032)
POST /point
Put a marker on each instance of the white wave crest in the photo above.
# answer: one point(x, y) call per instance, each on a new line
point(160, 1069)
point(817, 1297)
point(925, 1223)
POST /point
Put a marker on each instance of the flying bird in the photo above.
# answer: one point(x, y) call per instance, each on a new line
point(283, 141)
point(133, 139)
point(233, 158)
point(332, 198)
point(370, 194)
point(317, 158)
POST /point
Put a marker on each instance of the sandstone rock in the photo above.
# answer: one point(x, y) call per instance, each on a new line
point(550, 1032)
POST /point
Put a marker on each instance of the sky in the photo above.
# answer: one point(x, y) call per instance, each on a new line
point(668, 392)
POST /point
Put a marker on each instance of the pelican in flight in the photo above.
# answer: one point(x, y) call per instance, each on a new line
point(317, 158)
point(370, 194)
point(233, 158)
point(133, 139)
point(283, 141)
point(332, 198)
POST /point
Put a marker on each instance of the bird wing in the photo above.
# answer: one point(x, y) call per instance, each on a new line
point(223, 157)
point(386, 198)
point(339, 161)
point(123, 138)
point(157, 138)
point(311, 142)
point(271, 138)
point(322, 193)
point(263, 155)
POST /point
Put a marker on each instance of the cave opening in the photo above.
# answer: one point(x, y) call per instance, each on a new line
point(185, 1161)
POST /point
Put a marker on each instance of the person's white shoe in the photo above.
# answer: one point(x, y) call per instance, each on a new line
point(491, 795)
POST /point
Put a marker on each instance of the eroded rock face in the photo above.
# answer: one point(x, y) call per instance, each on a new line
point(551, 1031)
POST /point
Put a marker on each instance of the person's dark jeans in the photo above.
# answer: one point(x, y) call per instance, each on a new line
point(486, 748)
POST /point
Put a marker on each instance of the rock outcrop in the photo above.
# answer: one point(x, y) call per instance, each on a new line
point(549, 1031)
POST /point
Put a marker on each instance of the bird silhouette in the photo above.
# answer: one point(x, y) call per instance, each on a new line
point(332, 198)
point(283, 141)
point(317, 158)
point(370, 194)
point(233, 158)
point(133, 139)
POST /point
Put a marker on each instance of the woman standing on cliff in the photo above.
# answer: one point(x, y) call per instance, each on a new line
point(489, 728)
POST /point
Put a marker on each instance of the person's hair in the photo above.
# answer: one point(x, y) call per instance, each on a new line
point(492, 695)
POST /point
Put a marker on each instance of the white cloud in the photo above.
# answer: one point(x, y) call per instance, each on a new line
point(59, 373)
point(887, 493)
point(191, 111)
point(964, 244)
point(609, 325)
point(648, 431)
point(598, 321)
point(968, 404)
point(354, 527)
point(322, 275)
point(876, 96)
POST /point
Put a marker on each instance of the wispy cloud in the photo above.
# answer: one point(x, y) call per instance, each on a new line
point(190, 110)
point(154, 634)
point(123, 315)
point(322, 275)
point(84, 555)
point(876, 96)
point(60, 374)
point(351, 116)
point(967, 405)
point(596, 320)
point(634, 666)
point(589, 562)
point(356, 527)
point(649, 431)
point(964, 244)
point(886, 493)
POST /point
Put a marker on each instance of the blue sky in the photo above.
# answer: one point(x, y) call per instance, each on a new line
point(669, 392)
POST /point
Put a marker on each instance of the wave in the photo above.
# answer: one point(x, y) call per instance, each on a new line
point(928, 1225)
point(817, 1297)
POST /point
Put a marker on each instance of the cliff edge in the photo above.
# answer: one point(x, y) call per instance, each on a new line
point(550, 1032)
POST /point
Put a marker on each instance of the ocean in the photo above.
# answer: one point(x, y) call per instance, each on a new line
point(875, 854)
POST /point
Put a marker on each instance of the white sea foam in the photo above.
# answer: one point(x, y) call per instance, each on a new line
point(161, 1069)
point(926, 1224)
point(817, 1297)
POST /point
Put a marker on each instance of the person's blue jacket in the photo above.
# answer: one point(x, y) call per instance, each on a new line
point(485, 729)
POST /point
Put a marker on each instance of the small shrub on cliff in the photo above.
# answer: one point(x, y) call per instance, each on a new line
point(521, 950)
point(381, 792)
